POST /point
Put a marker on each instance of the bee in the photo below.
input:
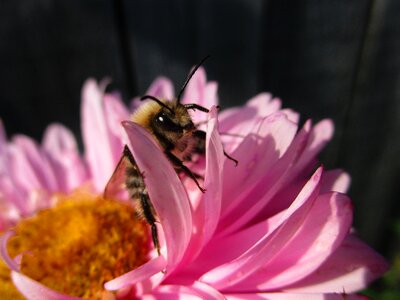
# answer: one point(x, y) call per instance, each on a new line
point(171, 126)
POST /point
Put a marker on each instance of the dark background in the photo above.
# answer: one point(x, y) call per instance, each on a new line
point(337, 59)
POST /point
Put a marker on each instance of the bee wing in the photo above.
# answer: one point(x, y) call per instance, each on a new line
point(117, 180)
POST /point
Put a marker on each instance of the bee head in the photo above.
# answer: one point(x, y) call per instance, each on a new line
point(172, 121)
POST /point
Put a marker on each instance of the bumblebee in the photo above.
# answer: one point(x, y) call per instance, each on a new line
point(171, 126)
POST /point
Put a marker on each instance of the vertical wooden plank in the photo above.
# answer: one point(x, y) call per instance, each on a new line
point(49, 48)
point(370, 147)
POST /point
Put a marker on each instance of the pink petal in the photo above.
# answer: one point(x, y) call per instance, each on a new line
point(269, 246)
point(324, 228)
point(196, 290)
point(292, 115)
point(200, 92)
point(294, 296)
point(321, 134)
point(335, 180)
point(166, 192)
point(3, 139)
point(240, 120)
point(206, 215)
point(161, 88)
point(11, 264)
point(350, 268)
point(256, 154)
point(62, 150)
point(38, 162)
point(251, 199)
point(98, 151)
point(238, 243)
point(264, 104)
point(195, 90)
point(33, 290)
point(17, 197)
point(16, 162)
point(142, 273)
point(115, 112)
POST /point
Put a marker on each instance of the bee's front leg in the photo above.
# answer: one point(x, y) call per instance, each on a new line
point(179, 165)
point(201, 136)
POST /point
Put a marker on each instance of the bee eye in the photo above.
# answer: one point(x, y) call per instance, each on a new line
point(166, 123)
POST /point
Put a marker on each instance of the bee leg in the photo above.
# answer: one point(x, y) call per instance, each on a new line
point(149, 216)
point(195, 106)
point(145, 203)
point(231, 158)
point(178, 163)
point(201, 135)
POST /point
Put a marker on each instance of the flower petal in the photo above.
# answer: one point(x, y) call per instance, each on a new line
point(166, 192)
point(251, 199)
point(62, 151)
point(207, 212)
point(335, 180)
point(324, 228)
point(115, 112)
point(142, 273)
point(161, 88)
point(256, 154)
point(38, 162)
point(4, 252)
point(240, 120)
point(350, 268)
point(33, 290)
point(201, 92)
point(3, 140)
point(294, 296)
point(196, 290)
point(98, 151)
point(269, 246)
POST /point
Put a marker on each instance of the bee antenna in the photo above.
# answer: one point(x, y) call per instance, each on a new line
point(158, 101)
point(190, 77)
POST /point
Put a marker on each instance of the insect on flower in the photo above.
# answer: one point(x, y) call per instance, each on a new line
point(171, 126)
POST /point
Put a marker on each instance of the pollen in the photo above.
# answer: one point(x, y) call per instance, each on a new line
point(81, 243)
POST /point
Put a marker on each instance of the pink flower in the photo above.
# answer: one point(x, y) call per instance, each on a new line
point(276, 226)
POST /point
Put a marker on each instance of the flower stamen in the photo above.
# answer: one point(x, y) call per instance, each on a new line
point(81, 243)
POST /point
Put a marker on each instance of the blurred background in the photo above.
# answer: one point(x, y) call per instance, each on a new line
point(336, 59)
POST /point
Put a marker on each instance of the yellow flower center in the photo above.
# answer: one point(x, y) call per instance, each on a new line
point(80, 243)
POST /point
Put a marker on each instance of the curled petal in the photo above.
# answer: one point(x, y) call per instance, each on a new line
point(33, 290)
point(4, 253)
point(145, 271)
point(166, 192)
